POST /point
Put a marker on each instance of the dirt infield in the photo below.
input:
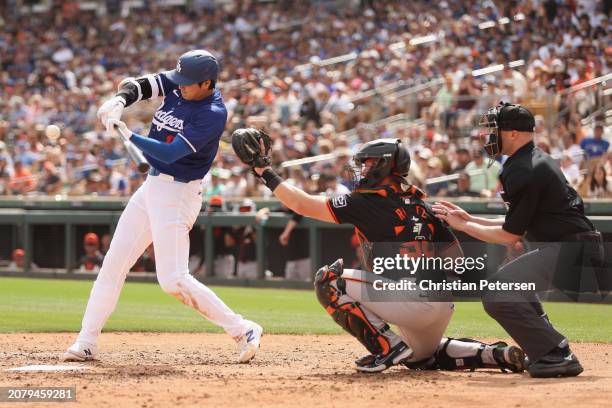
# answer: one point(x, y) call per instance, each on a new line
point(180, 370)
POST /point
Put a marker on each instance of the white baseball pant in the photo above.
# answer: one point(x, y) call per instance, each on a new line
point(161, 211)
point(421, 324)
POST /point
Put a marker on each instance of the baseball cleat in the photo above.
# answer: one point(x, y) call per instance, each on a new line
point(80, 352)
point(509, 358)
point(249, 342)
point(396, 355)
point(365, 360)
point(560, 362)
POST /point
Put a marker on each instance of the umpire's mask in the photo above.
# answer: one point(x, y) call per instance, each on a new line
point(505, 116)
point(489, 133)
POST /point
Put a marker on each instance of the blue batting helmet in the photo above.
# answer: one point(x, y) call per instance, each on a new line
point(193, 67)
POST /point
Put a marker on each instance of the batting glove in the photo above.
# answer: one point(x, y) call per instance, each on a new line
point(120, 127)
point(111, 109)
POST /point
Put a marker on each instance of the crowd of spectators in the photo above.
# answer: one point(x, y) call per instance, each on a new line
point(408, 60)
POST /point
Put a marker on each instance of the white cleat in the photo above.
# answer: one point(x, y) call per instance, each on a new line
point(249, 342)
point(81, 352)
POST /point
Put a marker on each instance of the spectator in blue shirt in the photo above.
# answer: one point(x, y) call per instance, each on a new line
point(595, 146)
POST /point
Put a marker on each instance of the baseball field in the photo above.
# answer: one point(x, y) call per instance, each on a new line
point(158, 352)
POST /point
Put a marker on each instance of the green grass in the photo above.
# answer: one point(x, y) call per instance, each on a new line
point(50, 305)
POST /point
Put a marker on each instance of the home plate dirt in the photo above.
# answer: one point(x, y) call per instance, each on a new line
point(182, 370)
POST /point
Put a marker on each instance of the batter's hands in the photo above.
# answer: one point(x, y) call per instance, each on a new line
point(111, 109)
point(121, 128)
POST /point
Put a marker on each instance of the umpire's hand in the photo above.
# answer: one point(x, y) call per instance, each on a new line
point(453, 215)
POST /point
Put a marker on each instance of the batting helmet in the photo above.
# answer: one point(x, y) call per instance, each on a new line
point(391, 159)
point(194, 67)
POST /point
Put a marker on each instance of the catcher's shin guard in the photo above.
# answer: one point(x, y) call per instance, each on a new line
point(331, 293)
point(469, 354)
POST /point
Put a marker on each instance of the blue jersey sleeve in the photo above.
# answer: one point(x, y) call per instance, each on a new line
point(207, 127)
point(166, 153)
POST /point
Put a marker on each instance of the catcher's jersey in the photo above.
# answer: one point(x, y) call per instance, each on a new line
point(388, 222)
point(199, 123)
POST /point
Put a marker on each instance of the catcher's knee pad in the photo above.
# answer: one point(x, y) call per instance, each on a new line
point(327, 294)
point(460, 354)
point(331, 293)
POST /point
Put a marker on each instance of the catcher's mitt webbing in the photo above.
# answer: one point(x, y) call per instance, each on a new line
point(247, 146)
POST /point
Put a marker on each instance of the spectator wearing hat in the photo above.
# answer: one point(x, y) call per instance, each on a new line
point(91, 261)
point(17, 259)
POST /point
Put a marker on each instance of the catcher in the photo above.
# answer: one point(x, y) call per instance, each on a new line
point(384, 209)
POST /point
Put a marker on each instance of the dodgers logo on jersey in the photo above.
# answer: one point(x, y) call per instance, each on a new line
point(165, 120)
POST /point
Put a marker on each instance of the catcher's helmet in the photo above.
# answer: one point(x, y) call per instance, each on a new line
point(392, 159)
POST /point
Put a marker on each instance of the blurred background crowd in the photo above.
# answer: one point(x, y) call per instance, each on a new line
point(320, 76)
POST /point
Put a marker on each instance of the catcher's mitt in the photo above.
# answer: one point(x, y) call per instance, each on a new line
point(246, 144)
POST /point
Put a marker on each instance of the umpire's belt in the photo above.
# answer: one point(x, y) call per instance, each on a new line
point(154, 172)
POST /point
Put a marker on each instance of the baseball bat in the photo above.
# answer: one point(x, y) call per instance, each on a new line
point(135, 154)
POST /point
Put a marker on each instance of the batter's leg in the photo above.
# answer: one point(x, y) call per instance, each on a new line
point(129, 241)
point(173, 208)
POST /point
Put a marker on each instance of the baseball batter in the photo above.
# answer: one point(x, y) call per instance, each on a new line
point(181, 145)
point(387, 214)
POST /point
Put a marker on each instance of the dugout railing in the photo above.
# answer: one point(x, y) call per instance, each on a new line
point(71, 219)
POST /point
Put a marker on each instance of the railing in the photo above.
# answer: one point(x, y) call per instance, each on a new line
point(23, 221)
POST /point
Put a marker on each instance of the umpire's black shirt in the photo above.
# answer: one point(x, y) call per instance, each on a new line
point(540, 201)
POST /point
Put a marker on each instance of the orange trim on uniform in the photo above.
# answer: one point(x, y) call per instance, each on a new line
point(329, 207)
point(379, 191)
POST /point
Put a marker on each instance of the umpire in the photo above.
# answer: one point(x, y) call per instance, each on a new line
point(550, 214)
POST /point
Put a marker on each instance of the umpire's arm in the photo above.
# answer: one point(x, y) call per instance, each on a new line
point(308, 205)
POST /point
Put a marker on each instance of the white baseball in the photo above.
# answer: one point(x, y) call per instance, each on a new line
point(52, 132)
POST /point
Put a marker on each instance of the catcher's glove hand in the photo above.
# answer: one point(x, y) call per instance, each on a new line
point(252, 146)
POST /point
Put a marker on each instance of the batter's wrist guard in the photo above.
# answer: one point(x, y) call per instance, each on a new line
point(271, 179)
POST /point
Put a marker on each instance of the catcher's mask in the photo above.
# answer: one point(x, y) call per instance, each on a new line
point(505, 116)
point(378, 159)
